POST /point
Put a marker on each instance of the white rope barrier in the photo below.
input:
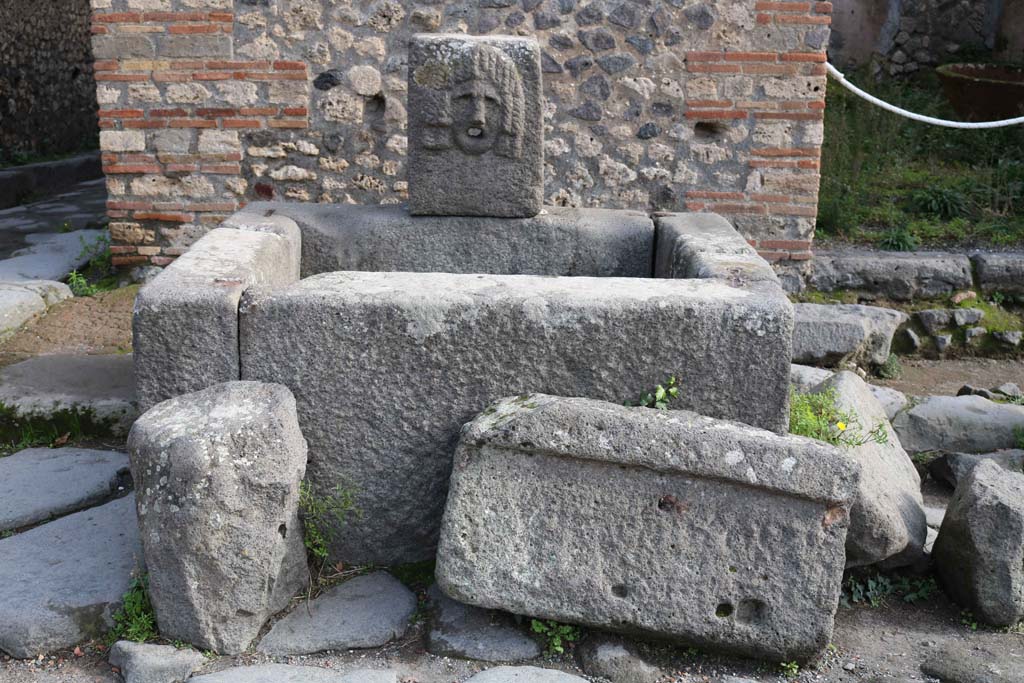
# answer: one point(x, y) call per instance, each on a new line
point(838, 75)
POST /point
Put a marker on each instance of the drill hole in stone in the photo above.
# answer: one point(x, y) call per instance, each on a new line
point(710, 130)
point(283, 530)
point(619, 590)
point(724, 610)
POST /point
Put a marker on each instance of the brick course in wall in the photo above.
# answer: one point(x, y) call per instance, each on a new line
point(680, 105)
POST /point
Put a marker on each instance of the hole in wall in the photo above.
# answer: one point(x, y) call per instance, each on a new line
point(620, 590)
point(283, 530)
point(373, 112)
point(710, 130)
point(724, 610)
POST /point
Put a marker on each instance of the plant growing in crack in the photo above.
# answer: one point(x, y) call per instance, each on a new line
point(660, 397)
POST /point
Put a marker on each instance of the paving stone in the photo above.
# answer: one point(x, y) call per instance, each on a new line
point(544, 485)
point(61, 582)
point(100, 387)
point(367, 611)
point(49, 256)
point(611, 658)
point(22, 301)
point(887, 521)
point(1000, 272)
point(286, 673)
point(845, 333)
point(898, 276)
point(979, 555)
point(467, 632)
point(147, 663)
point(43, 483)
point(969, 424)
point(960, 663)
point(218, 473)
point(523, 674)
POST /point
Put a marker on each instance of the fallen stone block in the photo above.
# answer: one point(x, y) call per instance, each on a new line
point(1000, 272)
point(540, 481)
point(979, 554)
point(185, 322)
point(468, 632)
point(147, 663)
point(831, 335)
point(447, 345)
point(897, 276)
point(951, 468)
point(61, 582)
point(559, 241)
point(287, 673)
point(38, 484)
point(610, 658)
point(367, 611)
point(887, 521)
point(93, 393)
point(217, 474)
point(523, 674)
point(969, 424)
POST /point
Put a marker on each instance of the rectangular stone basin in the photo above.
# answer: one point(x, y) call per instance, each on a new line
point(402, 329)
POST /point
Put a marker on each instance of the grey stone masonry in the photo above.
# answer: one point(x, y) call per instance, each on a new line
point(217, 474)
point(1000, 272)
point(902, 276)
point(185, 322)
point(558, 241)
point(386, 367)
point(712, 533)
point(475, 126)
point(705, 245)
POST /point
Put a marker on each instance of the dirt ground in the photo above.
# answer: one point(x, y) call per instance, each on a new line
point(886, 644)
point(91, 325)
point(927, 377)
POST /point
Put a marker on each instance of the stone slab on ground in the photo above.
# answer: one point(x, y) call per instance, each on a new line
point(453, 343)
point(979, 554)
point(957, 663)
point(1000, 272)
point(218, 473)
point(524, 674)
point(367, 611)
point(20, 302)
point(899, 276)
point(646, 501)
point(47, 177)
point(969, 424)
point(887, 521)
point(559, 241)
point(38, 484)
point(185, 322)
point(99, 387)
point(831, 335)
point(611, 658)
point(286, 673)
point(467, 632)
point(148, 663)
point(49, 256)
point(61, 582)
point(950, 468)
point(804, 378)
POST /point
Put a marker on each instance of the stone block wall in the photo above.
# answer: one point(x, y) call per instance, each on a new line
point(675, 105)
point(47, 92)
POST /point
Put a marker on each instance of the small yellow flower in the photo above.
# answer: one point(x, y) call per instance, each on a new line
point(841, 426)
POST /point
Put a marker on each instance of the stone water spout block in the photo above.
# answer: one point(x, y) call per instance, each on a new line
point(475, 126)
point(710, 533)
point(386, 367)
point(185, 322)
point(217, 477)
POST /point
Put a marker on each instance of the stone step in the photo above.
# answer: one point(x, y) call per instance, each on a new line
point(99, 389)
point(38, 484)
point(61, 583)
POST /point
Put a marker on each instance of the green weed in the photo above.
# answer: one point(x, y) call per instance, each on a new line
point(898, 239)
point(789, 669)
point(875, 589)
point(322, 515)
point(891, 368)
point(818, 416)
point(1018, 436)
point(80, 286)
point(968, 619)
point(135, 620)
point(662, 395)
point(556, 636)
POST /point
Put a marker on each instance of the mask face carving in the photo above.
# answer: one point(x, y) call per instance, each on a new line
point(476, 111)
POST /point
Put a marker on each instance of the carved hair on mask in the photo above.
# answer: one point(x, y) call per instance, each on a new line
point(481, 107)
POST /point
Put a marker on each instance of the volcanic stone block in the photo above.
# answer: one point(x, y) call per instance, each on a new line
point(560, 241)
point(705, 245)
point(217, 474)
point(706, 532)
point(386, 367)
point(185, 322)
point(979, 554)
point(475, 126)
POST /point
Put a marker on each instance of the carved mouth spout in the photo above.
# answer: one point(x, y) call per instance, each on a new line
point(474, 132)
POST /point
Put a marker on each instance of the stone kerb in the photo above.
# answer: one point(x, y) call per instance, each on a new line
point(385, 367)
point(185, 322)
point(540, 481)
